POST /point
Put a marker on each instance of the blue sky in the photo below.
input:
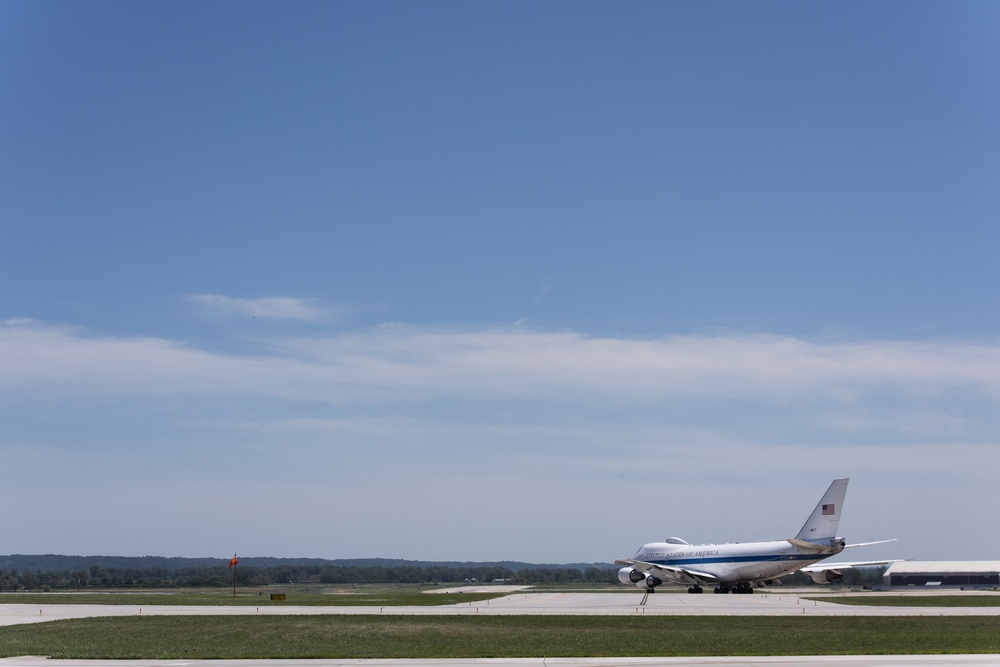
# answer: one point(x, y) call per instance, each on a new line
point(487, 281)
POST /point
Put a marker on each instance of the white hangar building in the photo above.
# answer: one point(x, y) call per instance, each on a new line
point(952, 573)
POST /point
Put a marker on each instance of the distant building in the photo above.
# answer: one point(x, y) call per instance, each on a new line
point(953, 574)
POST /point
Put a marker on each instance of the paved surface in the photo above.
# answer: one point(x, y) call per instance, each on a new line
point(484, 588)
point(609, 604)
point(593, 604)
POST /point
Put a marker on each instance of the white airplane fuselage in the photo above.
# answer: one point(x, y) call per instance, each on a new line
point(731, 563)
point(742, 566)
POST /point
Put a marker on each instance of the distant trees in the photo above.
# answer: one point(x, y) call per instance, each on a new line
point(591, 575)
point(99, 577)
point(180, 573)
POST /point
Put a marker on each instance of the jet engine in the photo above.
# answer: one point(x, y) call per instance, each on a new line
point(826, 576)
point(630, 575)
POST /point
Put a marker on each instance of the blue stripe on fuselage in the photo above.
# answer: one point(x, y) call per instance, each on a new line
point(771, 558)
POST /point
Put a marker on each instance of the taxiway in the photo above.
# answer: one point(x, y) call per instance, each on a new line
point(534, 604)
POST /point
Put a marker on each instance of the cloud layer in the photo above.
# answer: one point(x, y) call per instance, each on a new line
point(412, 364)
point(407, 422)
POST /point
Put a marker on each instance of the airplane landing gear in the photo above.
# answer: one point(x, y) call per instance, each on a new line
point(743, 587)
point(696, 589)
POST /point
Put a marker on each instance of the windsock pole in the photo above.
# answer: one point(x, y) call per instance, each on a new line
point(232, 566)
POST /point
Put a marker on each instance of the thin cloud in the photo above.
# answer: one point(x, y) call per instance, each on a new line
point(775, 387)
point(271, 308)
point(584, 418)
point(408, 363)
point(545, 288)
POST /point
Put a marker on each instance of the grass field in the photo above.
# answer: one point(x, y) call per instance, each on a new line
point(495, 636)
point(368, 597)
point(915, 600)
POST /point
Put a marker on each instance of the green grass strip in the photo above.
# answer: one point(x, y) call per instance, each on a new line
point(293, 637)
point(915, 600)
point(387, 598)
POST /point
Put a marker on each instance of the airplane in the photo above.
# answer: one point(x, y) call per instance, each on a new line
point(738, 568)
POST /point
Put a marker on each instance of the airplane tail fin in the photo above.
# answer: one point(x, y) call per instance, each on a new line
point(822, 525)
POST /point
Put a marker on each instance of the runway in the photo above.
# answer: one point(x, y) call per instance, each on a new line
point(535, 604)
point(520, 603)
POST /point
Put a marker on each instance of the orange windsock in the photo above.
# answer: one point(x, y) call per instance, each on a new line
point(234, 561)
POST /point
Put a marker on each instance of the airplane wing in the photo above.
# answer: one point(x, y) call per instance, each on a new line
point(813, 547)
point(681, 575)
point(825, 567)
point(868, 544)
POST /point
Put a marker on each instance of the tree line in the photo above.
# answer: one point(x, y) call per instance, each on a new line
point(99, 577)
point(48, 572)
